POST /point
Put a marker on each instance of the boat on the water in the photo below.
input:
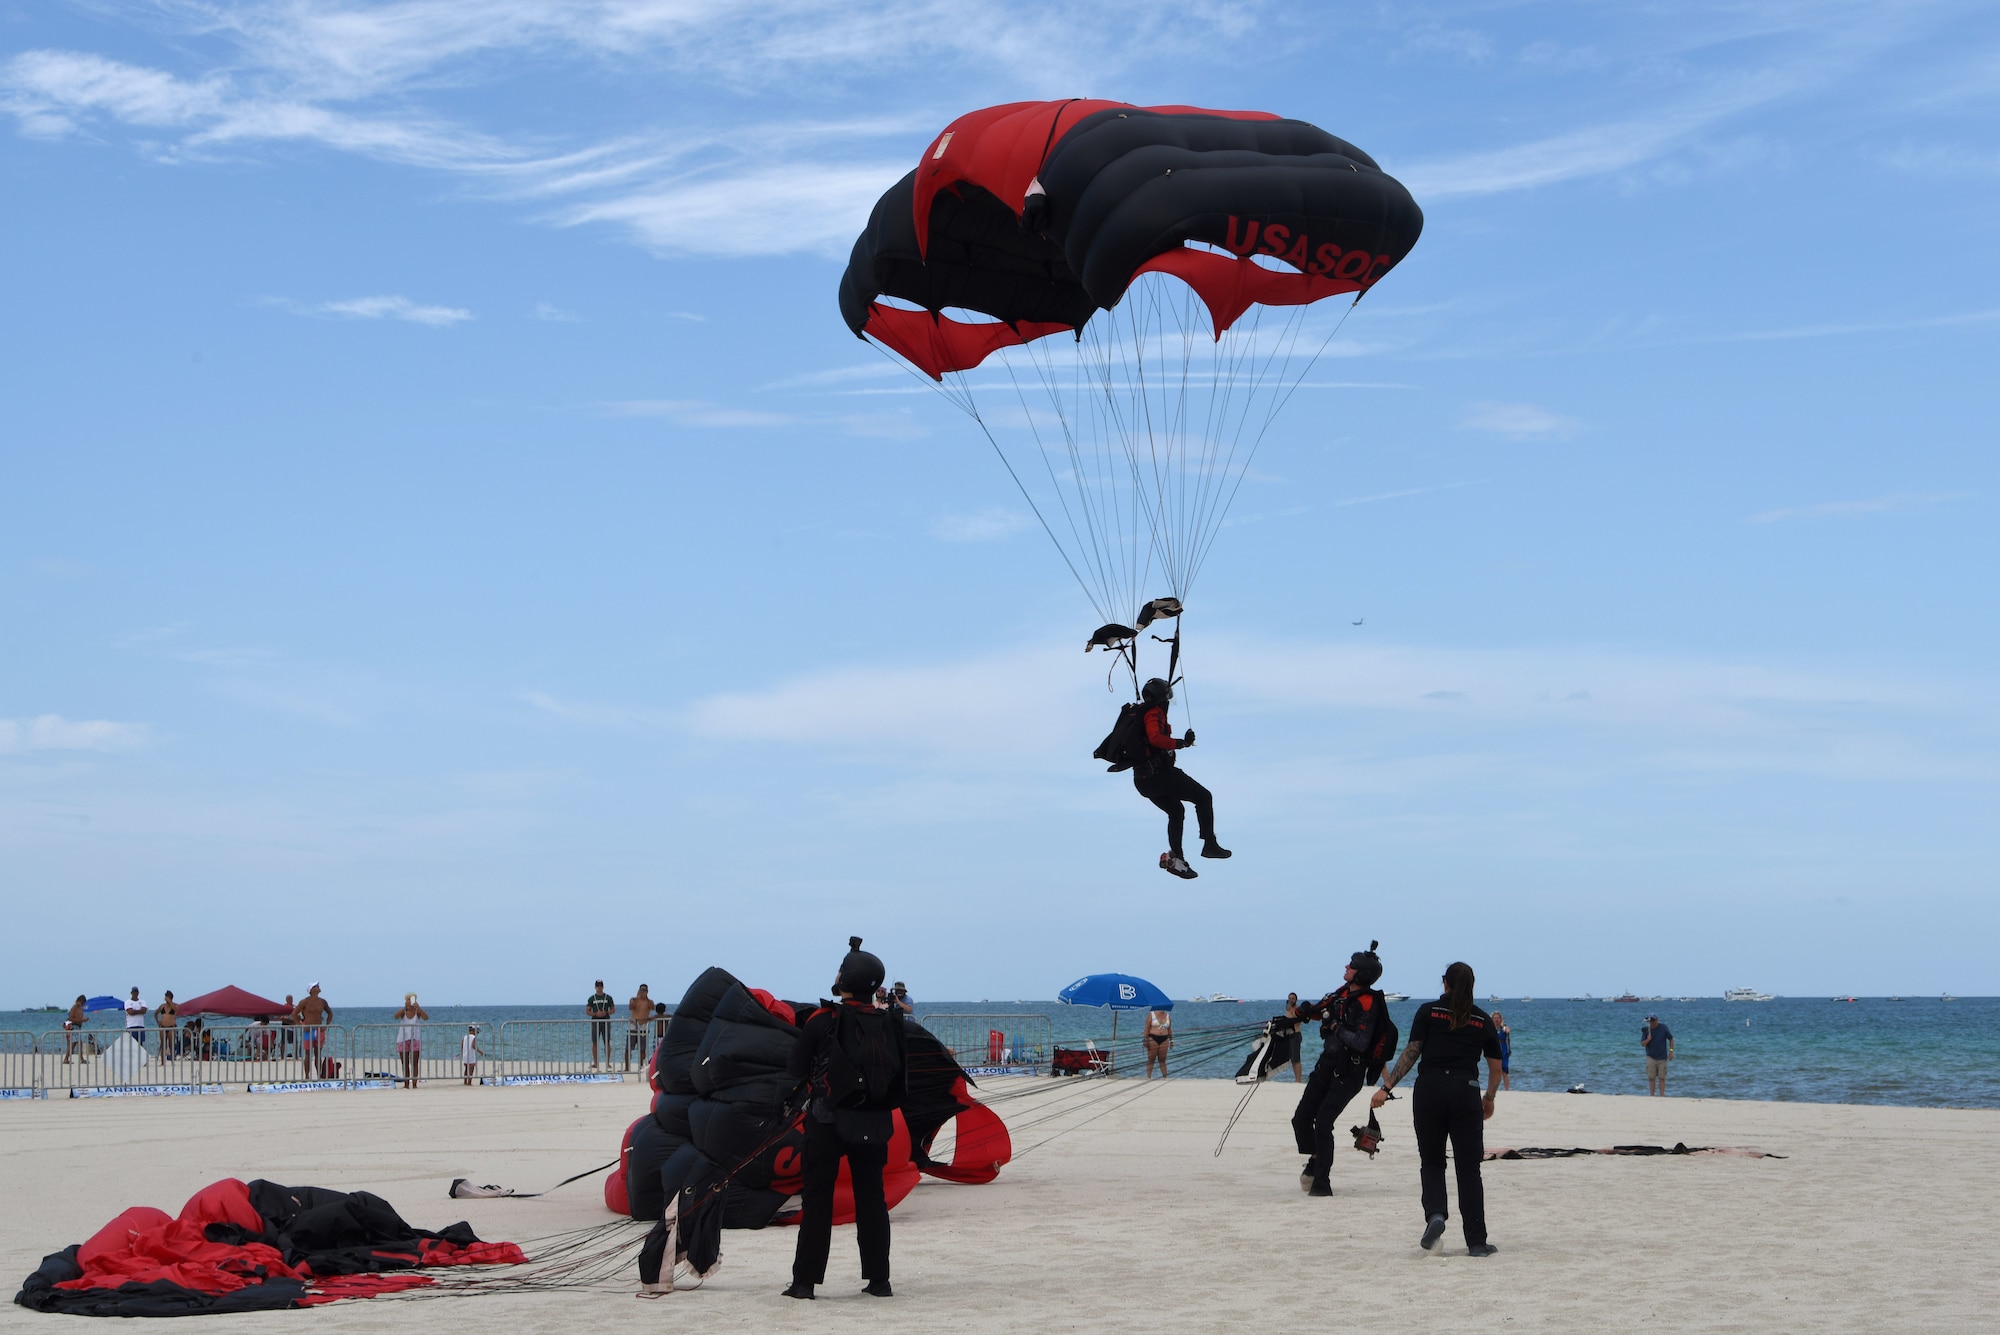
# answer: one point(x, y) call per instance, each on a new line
point(1395, 996)
point(1200, 1000)
point(1627, 997)
point(1745, 994)
point(1224, 997)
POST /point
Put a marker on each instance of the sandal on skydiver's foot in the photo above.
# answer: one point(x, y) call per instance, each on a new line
point(1178, 866)
point(1211, 849)
point(798, 1290)
point(1432, 1232)
point(879, 1288)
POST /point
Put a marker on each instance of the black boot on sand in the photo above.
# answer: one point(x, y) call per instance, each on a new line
point(1480, 1249)
point(1320, 1187)
point(879, 1288)
point(798, 1290)
point(1432, 1232)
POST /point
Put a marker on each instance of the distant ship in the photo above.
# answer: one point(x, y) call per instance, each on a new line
point(1629, 997)
point(1745, 994)
point(1404, 996)
point(1224, 997)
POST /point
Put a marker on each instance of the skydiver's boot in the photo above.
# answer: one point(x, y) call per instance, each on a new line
point(798, 1290)
point(879, 1288)
point(1211, 849)
point(1311, 1173)
point(1175, 863)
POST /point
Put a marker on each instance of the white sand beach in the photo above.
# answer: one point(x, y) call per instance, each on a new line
point(1879, 1219)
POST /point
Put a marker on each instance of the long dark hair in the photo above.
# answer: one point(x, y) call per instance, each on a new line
point(1458, 992)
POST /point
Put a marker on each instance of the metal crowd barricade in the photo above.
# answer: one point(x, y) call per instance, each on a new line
point(415, 1052)
point(204, 1059)
point(987, 1045)
point(20, 1066)
point(542, 1052)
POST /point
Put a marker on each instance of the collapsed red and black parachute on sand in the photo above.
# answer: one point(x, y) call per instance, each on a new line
point(1039, 214)
point(718, 1136)
point(248, 1247)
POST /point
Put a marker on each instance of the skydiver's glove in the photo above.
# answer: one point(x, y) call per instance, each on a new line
point(1189, 739)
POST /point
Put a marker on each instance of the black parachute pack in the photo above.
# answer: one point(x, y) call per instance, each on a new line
point(1383, 1050)
point(1125, 745)
point(866, 1066)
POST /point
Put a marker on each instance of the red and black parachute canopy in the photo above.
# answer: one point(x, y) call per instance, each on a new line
point(1038, 214)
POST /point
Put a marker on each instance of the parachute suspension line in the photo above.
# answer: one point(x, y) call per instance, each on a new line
point(1277, 405)
point(965, 403)
point(1097, 548)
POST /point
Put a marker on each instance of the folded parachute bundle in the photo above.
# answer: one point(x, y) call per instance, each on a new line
point(239, 1247)
point(719, 1134)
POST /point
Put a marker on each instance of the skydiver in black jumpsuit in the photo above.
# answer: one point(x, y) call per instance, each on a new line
point(850, 1061)
point(1161, 781)
point(1448, 1039)
point(1349, 1018)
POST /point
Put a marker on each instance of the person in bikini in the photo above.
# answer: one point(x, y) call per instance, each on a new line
point(1159, 1038)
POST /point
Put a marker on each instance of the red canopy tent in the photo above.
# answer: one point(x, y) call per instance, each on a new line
point(235, 1001)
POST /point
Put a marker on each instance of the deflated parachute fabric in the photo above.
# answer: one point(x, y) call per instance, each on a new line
point(731, 1129)
point(239, 1247)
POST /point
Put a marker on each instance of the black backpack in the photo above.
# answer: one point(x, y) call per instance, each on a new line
point(867, 1064)
point(1125, 745)
point(1383, 1050)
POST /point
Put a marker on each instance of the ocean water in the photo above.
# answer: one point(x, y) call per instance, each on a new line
point(1920, 1052)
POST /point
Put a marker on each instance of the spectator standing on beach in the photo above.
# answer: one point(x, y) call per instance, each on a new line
point(168, 1017)
point(1658, 1040)
point(410, 1038)
point(640, 1022)
point(660, 1022)
point(312, 1016)
point(72, 1026)
point(1293, 1035)
point(1158, 1041)
point(850, 1064)
point(1506, 1049)
point(285, 1033)
point(1449, 1038)
point(899, 997)
point(468, 1051)
point(135, 1019)
point(599, 1008)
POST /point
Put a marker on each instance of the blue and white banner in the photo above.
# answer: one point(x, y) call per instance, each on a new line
point(23, 1093)
point(317, 1086)
point(140, 1091)
point(586, 1079)
point(977, 1072)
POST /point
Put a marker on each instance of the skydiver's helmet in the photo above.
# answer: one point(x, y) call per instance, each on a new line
point(1156, 691)
point(861, 972)
point(1367, 965)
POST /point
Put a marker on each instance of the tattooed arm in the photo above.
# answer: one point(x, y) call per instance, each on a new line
point(1411, 1051)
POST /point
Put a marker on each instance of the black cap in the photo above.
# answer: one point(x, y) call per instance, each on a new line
point(1367, 965)
point(860, 972)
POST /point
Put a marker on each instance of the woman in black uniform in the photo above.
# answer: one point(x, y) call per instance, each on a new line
point(850, 1059)
point(1448, 1038)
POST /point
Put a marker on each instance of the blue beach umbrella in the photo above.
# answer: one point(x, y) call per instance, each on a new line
point(102, 1004)
point(1119, 991)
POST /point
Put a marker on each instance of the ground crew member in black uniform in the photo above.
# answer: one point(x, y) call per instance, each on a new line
point(1447, 1040)
point(1349, 1018)
point(851, 1065)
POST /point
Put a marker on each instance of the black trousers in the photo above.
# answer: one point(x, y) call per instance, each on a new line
point(1167, 788)
point(1445, 1106)
point(824, 1149)
point(1332, 1086)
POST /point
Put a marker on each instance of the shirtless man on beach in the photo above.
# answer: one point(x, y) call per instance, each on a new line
point(641, 1010)
point(72, 1026)
point(313, 1015)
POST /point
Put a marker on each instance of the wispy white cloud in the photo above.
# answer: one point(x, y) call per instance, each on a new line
point(1519, 421)
point(598, 715)
point(988, 525)
point(1874, 505)
point(549, 311)
point(696, 412)
point(53, 732)
point(396, 308)
point(772, 211)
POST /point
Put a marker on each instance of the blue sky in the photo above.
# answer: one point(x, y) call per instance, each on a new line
point(451, 541)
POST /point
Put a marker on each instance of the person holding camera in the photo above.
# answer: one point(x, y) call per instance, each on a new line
point(1448, 1039)
point(851, 1066)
